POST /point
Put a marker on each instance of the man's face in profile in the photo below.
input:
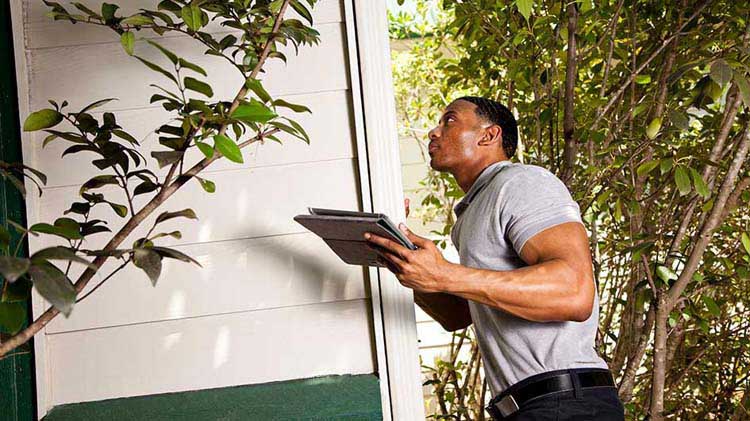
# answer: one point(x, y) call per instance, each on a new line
point(453, 141)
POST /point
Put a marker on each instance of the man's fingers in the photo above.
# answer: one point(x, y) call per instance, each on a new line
point(419, 241)
point(388, 259)
point(390, 245)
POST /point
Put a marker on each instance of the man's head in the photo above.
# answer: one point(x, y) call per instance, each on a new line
point(472, 130)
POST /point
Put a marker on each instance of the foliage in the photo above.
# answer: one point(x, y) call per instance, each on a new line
point(217, 127)
point(641, 108)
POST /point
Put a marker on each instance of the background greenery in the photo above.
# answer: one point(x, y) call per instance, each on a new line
point(641, 108)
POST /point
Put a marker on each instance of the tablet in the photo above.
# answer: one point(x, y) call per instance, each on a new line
point(343, 231)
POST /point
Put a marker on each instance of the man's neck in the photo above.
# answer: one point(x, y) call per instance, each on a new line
point(468, 174)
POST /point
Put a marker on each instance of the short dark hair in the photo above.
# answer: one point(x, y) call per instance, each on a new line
point(497, 113)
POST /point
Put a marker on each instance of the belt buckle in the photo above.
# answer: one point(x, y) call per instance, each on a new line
point(507, 405)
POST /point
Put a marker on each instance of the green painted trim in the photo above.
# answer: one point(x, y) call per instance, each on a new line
point(329, 398)
point(17, 385)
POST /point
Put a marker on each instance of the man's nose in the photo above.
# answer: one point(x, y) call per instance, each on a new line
point(432, 134)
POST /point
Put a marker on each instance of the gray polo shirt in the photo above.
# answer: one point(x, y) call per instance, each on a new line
point(508, 204)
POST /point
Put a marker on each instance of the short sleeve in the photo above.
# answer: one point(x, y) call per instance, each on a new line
point(533, 201)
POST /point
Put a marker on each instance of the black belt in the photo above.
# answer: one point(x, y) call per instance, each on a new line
point(513, 398)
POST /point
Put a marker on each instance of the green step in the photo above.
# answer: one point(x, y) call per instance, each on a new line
point(348, 397)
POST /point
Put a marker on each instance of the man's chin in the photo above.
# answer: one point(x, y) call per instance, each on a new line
point(436, 165)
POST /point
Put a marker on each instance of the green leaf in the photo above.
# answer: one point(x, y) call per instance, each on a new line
point(174, 254)
point(665, 165)
point(192, 15)
point(175, 234)
point(165, 158)
point(157, 69)
point(700, 185)
point(149, 261)
point(94, 105)
point(205, 148)
point(257, 88)
point(744, 87)
point(643, 79)
point(720, 72)
point(228, 148)
point(63, 227)
point(299, 129)
point(665, 274)
point(169, 5)
point(682, 179)
point(127, 39)
point(680, 120)
point(294, 107)
point(647, 167)
point(170, 55)
point(525, 7)
point(108, 11)
point(185, 213)
point(82, 7)
point(711, 305)
point(98, 181)
point(125, 136)
point(19, 291)
point(745, 242)
point(12, 317)
point(60, 253)
point(198, 86)
point(137, 20)
point(302, 10)
point(192, 66)
point(207, 185)
point(653, 128)
point(253, 112)
point(42, 119)
point(54, 286)
point(120, 210)
point(13, 267)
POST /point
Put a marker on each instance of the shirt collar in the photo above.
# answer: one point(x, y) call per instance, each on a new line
point(484, 177)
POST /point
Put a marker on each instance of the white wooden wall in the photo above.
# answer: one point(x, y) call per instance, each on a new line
point(272, 302)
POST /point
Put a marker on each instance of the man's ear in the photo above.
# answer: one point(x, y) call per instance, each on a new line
point(492, 134)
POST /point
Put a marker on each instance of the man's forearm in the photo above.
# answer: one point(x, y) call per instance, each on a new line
point(547, 291)
point(450, 311)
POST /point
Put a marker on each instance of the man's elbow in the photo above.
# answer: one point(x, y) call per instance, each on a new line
point(581, 304)
point(580, 314)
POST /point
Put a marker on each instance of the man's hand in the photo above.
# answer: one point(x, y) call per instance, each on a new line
point(424, 269)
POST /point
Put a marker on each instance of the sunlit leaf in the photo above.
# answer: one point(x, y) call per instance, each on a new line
point(682, 180)
point(42, 119)
point(127, 39)
point(228, 148)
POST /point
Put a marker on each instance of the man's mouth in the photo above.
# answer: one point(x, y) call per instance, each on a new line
point(432, 148)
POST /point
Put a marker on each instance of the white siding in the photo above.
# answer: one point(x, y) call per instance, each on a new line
point(272, 302)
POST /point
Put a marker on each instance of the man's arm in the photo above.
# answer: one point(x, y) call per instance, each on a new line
point(557, 285)
point(450, 311)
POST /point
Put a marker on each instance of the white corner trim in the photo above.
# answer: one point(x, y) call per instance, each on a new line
point(364, 183)
point(393, 304)
point(38, 305)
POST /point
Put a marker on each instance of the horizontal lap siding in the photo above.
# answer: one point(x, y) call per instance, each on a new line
point(272, 301)
point(212, 351)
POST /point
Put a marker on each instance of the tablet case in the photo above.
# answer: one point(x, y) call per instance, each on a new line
point(344, 230)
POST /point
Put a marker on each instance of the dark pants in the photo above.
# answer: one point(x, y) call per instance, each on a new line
point(592, 404)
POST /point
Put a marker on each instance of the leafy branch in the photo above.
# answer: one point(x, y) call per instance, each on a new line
point(258, 27)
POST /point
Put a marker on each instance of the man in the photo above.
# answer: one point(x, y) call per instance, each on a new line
point(525, 277)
